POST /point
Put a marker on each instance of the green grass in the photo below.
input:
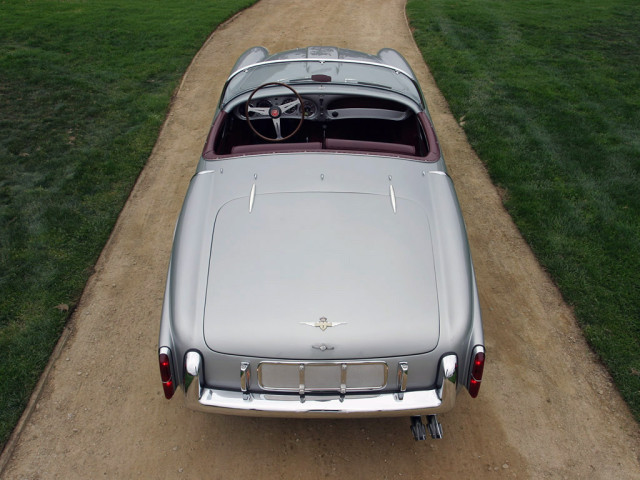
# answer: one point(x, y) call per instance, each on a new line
point(84, 89)
point(549, 91)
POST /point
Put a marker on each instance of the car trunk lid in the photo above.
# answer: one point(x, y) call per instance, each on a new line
point(321, 275)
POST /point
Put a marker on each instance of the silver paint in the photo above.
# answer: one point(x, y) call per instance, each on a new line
point(398, 281)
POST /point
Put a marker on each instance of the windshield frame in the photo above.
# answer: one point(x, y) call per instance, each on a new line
point(398, 71)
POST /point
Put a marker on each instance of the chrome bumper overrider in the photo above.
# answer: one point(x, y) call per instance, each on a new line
point(423, 402)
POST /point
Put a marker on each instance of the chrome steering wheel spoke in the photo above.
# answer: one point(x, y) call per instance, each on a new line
point(287, 106)
point(262, 111)
point(276, 125)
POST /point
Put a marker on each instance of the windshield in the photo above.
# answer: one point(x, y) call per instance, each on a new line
point(340, 72)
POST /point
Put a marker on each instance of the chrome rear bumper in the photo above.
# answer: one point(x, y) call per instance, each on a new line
point(423, 402)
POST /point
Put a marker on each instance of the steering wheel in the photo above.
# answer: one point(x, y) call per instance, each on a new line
point(274, 112)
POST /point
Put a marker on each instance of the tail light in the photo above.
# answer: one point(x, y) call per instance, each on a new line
point(477, 368)
point(164, 357)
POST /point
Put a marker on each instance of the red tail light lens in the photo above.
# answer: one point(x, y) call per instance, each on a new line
point(477, 368)
point(168, 389)
point(165, 374)
point(165, 367)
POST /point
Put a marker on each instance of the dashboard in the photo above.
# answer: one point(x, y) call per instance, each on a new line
point(324, 108)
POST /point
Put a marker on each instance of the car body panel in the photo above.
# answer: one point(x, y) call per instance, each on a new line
point(300, 257)
point(330, 266)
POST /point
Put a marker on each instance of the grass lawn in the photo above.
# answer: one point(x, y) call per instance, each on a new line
point(84, 89)
point(549, 91)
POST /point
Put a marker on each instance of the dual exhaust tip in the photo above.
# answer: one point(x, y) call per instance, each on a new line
point(419, 430)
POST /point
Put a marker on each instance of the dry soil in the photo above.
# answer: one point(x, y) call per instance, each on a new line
point(546, 409)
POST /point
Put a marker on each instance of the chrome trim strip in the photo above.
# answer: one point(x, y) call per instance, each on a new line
point(304, 389)
point(166, 351)
point(343, 379)
point(245, 376)
point(477, 349)
point(403, 376)
point(252, 197)
point(396, 70)
point(422, 402)
point(392, 193)
point(322, 60)
point(300, 378)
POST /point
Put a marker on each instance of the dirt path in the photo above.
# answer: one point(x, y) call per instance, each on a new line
point(546, 408)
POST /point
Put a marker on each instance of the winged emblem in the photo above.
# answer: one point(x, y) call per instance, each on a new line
point(323, 324)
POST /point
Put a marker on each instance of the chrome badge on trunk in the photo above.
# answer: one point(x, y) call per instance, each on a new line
point(323, 324)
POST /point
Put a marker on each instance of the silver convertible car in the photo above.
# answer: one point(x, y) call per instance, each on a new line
point(320, 264)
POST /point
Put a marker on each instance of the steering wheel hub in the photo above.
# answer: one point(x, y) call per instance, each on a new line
point(275, 112)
